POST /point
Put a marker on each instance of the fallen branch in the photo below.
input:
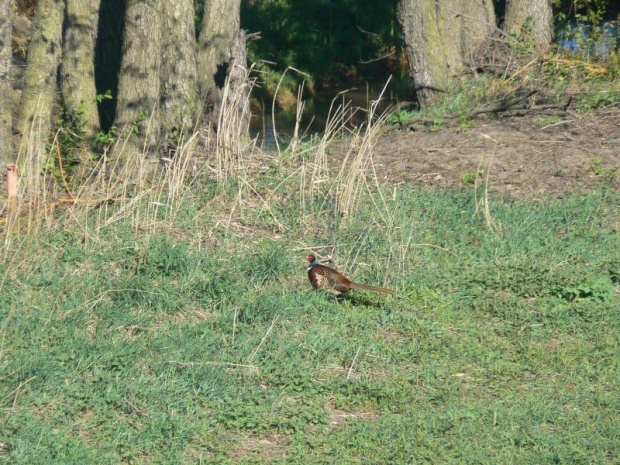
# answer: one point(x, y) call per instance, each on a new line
point(590, 67)
point(137, 410)
point(95, 202)
point(513, 104)
point(522, 69)
point(252, 368)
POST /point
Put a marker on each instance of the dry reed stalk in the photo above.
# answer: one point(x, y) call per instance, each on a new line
point(273, 104)
point(294, 146)
point(484, 202)
point(491, 224)
point(253, 354)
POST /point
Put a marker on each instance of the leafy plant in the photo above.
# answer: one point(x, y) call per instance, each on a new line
point(437, 124)
point(465, 124)
point(104, 140)
point(469, 178)
point(107, 95)
point(600, 289)
point(599, 100)
point(596, 167)
point(400, 116)
point(164, 257)
point(67, 148)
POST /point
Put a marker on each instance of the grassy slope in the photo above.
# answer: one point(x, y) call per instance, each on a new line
point(115, 345)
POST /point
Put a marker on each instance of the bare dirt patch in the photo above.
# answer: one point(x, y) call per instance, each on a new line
point(531, 156)
point(338, 417)
point(267, 448)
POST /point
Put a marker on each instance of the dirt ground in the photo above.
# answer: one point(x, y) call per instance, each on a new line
point(530, 156)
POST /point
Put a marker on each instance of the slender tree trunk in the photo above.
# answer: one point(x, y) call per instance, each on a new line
point(137, 112)
point(178, 103)
point(439, 37)
point(38, 96)
point(532, 18)
point(78, 65)
point(220, 28)
point(6, 92)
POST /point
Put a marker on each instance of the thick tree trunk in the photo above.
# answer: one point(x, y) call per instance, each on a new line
point(220, 29)
point(137, 113)
point(530, 18)
point(6, 92)
point(38, 96)
point(439, 37)
point(78, 65)
point(178, 103)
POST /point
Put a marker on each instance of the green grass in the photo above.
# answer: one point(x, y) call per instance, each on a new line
point(203, 343)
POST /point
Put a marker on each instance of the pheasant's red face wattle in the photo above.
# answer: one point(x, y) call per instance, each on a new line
point(310, 258)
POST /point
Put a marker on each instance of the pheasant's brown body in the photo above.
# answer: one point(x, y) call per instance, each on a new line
point(324, 277)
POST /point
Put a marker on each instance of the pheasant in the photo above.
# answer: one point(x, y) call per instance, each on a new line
point(323, 277)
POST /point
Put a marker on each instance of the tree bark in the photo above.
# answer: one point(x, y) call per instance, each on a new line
point(220, 28)
point(439, 37)
point(137, 113)
point(178, 104)
point(78, 65)
point(532, 18)
point(235, 102)
point(38, 96)
point(6, 92)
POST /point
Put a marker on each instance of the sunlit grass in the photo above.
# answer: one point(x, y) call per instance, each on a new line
point(203, 340)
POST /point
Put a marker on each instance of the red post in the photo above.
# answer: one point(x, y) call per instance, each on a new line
point(11, 186)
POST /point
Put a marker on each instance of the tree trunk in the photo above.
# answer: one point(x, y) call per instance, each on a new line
point(178, 103)
point(235, 102)
point(6, 92)
point(38, 96)
point(439, 37)
point(220, 28)
point(137, 113)
point(78, 66)
point(532, 19)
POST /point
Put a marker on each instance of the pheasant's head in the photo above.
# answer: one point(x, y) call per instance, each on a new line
point(312, 260)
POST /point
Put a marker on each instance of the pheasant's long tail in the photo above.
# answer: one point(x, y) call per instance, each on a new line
point(367, 287)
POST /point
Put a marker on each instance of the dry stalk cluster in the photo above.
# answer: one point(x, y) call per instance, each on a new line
point(232, 146)
point(352, 180)
point(315, 173)
point(123, 184)
point(349, 185)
